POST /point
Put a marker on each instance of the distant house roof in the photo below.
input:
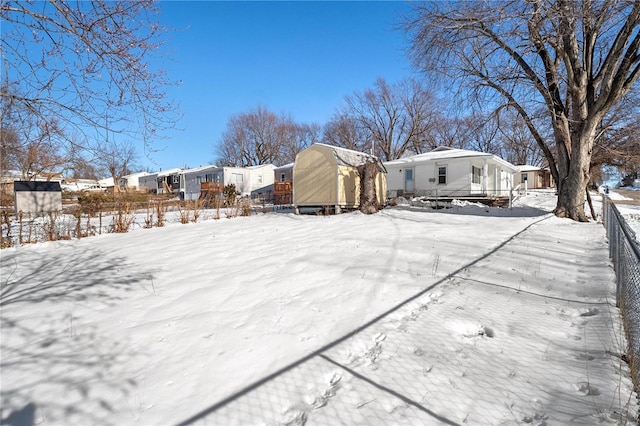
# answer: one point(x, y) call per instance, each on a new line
point(200, 169)
point(169, 172)
point(527, 168)
point(259, 166)
point(444, 153)
point(134, 175)
point(36, 186)
point(285, 167)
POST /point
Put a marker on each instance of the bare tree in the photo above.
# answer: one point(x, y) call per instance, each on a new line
point(448, 131)
point(68, 63)
point(263, 137)
point(397, 117)
point(299, 137)
point(577, 59)
point(116, 159)
point(618, 141)
point(344, 130)
point(29, 144)
point(518, 146)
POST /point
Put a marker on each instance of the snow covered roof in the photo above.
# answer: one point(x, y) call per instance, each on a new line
point(285, 167)
point(348, 157)
point(200, 169)
point(169, 172)
point(528, 168)
point(260, 166)
point(134, 175)
point(444, 153)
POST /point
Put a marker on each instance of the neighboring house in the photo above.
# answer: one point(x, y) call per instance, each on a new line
point(283, 185)
point(76, 185)
point(261, 179)
point(283, 173)
point(148, 182)
point(450, 172)
point(106, 183)
point(245, 179)
point(36, 197)
point(132, 182)
point(532, 177)
point(325, 175)
point(169, 182)
point(193, 179)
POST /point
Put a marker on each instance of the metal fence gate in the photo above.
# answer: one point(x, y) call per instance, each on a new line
point(624, 250)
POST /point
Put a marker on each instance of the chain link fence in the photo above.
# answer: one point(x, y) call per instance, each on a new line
point(624, 250)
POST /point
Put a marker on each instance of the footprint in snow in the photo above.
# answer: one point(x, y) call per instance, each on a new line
point(294, 416)
point(590, 312)
point(318, 401)
point(586, 388)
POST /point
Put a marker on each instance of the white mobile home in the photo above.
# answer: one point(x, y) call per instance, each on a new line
point(148, 182)
point(450, 172)
point(245, 179)
point(192, 180)
point(132, 182)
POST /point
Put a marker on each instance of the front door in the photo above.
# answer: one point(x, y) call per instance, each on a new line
point(408, 181)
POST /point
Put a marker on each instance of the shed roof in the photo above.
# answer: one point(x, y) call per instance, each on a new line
point(349, 157)
point(36, 186)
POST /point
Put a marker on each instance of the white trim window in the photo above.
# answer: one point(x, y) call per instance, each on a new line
point(476, 175)
point(442, 175)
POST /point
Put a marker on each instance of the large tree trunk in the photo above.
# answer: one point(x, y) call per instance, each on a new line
point(368, 194)
point(573, 175)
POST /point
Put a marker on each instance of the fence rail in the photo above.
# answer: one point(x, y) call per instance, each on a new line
point(624, 250)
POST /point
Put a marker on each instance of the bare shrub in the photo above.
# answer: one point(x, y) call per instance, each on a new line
point(161, 211)
point(197, 208)
point(123, 218)
point(183, 209)
point(51, 231)
point(5, 240)
point(148, 220)
point(244, 206)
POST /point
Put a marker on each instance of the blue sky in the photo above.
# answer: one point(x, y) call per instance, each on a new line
point(299, 58)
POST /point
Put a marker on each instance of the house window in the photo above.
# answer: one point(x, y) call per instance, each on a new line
point(259, 178)
point(198, 180)
point(176, 179)
point(208, 177)
point(282, 177)
point(476, 174)
point(442, 175)
point(524, 177)
point(237, 177)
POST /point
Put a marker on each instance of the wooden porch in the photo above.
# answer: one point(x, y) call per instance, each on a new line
point(283, 192)
point(210, 191)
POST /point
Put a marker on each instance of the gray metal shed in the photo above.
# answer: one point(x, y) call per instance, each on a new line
point(37, 196)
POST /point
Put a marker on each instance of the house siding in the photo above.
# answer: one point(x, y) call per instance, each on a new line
point(459, 174)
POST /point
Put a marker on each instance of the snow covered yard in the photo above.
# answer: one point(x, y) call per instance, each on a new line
point(466, 316)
